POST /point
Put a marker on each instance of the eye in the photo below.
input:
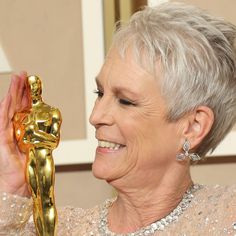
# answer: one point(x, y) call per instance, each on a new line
point(98, 92)
point(126, 102)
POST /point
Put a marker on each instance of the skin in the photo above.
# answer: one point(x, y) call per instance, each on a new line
point(144, 171)
point(12, 160)
point(130, 111)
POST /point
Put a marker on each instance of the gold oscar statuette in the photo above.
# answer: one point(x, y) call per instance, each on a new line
point(37, 131)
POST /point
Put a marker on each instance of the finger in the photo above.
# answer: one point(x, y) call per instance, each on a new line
point(21, 87)
point(22, 81)
point(14, 86)
point(4, 111)
point(17, 90)
point(23, 75)
point(13, 92)
point(14, 81)
point(25, 102)
point(4, 108)
point(25, 93)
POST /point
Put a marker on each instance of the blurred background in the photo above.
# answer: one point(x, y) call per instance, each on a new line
point(65, 42)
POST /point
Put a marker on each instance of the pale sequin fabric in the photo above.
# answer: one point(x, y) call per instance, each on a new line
point(211, 212)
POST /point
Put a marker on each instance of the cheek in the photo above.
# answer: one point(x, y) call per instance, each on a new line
point(138, 134)
point(132, 133)
point(140, 126)
point(150, 141)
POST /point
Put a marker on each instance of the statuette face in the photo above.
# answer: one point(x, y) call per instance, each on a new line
point(37, 131)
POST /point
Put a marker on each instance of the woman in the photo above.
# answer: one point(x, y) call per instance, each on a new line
point(166, 96)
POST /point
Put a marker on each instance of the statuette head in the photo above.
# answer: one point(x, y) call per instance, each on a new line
point(35, 86)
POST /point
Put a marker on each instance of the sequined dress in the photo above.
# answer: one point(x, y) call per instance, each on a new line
point(211, 212)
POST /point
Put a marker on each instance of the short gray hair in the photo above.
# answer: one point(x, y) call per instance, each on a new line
point(198, 60)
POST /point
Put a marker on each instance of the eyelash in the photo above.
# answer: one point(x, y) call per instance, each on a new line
point(121, 101)
point(126, 102)
point(98, 92)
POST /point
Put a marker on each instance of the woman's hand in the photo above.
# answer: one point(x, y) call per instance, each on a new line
point(12, 160)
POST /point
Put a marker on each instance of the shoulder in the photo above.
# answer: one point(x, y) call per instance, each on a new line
point(51, 109)
point(222, 199)
point(77, 221)
point(90, 221)
point(220, 194)
point(212, 211)
point(56, 114)
point(215, 208)
point(56, 111)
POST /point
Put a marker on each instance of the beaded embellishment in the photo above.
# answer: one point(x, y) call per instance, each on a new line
point(155, 226)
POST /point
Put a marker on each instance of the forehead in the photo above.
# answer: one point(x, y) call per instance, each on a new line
point(34, 81)
point(119, 69)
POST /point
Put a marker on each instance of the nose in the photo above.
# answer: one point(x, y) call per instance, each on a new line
point(102, 113)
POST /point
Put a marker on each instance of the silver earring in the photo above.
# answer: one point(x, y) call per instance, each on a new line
point(186, 154)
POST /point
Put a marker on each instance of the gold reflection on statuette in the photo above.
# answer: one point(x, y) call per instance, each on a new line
point(37, 131)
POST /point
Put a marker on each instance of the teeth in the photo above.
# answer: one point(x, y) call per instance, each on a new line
point(109, 145)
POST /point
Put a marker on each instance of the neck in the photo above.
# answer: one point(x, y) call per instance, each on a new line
point(139, 206)
point(36, 101)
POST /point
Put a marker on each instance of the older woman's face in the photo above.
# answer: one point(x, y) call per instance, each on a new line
point(129, 117)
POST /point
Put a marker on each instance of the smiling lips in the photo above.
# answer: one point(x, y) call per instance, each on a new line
point(109, 145)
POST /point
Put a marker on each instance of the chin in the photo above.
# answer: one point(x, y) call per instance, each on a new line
point(99, 170)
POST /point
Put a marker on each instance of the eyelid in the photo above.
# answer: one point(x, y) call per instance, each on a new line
point(127, 102)
point(98, 92)
point(123, 101)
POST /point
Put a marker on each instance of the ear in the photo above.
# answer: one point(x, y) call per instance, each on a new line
point(197, 125)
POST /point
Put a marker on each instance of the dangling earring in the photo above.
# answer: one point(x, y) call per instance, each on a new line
point(186, 154)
